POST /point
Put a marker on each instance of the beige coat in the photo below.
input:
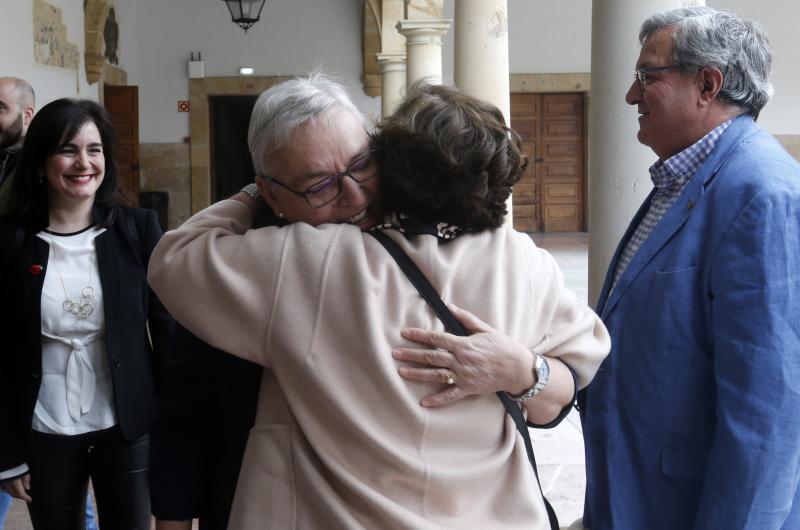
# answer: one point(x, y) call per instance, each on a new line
point(340, 440)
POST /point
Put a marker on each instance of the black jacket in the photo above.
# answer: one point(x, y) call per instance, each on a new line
point(206, 410)
point(205, 413)
point(8, 162)
point(123, 252)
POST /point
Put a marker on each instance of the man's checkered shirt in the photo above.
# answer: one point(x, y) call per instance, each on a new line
point(669, 177)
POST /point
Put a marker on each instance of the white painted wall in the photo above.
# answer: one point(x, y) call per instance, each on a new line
point(128, 18)
point(779, 18)
point(291, 37)
point(549, 37)
point(16, 43)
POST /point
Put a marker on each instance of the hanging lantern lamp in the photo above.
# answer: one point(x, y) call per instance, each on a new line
point(245, 13)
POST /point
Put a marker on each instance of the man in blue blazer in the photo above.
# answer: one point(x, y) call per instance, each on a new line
point(693, 421)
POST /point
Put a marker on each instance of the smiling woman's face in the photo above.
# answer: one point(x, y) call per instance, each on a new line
point(324, 147)
point(76, 170)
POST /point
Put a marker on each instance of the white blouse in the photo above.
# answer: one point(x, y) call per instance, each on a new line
point(76, 394)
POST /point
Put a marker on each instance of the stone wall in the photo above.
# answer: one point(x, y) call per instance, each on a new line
point(166, 167)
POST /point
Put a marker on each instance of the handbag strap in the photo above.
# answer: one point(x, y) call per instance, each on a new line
point(455, 327)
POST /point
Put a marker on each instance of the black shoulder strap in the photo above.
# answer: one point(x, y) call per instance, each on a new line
point(455, 327)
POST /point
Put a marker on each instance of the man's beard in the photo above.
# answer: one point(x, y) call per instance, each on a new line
point(12, 134)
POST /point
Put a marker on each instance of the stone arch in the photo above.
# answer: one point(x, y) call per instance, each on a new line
point(95, 13)
point(371, 45)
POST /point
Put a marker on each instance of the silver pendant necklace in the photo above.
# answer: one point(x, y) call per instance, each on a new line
point(85, 304)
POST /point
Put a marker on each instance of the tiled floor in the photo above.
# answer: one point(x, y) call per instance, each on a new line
point(559, 451)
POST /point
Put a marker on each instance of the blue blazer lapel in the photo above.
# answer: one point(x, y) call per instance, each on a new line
point(676, 216)
point(602, 300)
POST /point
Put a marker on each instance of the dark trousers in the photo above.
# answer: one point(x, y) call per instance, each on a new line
point(60, 470)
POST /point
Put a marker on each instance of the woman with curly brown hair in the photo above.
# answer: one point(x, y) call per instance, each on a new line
point(341, 440)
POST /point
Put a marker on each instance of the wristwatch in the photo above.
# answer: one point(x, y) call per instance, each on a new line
point(541, 375)
point(252, 191)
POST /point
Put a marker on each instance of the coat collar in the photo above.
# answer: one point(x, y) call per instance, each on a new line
point(742, 127)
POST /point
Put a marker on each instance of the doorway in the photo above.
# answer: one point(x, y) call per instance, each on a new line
point(231, 165)
point(550, 196)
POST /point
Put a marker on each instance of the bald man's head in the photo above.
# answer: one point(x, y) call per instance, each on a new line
point(17, 103)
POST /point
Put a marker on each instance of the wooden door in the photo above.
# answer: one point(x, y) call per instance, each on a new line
point(550, 195)
point(525, 117)
point(122, 102)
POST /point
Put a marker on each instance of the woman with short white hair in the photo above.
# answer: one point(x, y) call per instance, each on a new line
point(341, 440)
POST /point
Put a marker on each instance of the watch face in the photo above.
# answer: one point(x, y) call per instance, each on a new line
point(543, 369)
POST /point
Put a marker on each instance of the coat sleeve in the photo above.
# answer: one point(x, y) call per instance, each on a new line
point(574, 333)
point(12, 374)
point(222, 280)
point(754, 461)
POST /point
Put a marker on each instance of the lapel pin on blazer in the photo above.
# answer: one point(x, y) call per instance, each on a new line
point(35, 270)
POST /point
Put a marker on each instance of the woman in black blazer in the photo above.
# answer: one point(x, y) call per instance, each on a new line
point(83, 334)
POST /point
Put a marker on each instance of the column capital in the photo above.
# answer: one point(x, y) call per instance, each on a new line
point(391, 62)
point(424, 31)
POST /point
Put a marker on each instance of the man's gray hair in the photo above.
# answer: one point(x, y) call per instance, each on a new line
point(738, 47)
point(286, 106)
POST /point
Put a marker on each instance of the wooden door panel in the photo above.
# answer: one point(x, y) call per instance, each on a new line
point(565, 170)
point(525, 119)
point(122, 102)
point(562, 175)
point(566, 150)
point(563, 105)
point(120, 97)
point(561, 192)
point(524, 105)
point(526, 128)
point(549, 195)
point(561, 126)
point(123, 127)
point(524, 193)
point(561, 149)
point(560, 213)
point(561, 218)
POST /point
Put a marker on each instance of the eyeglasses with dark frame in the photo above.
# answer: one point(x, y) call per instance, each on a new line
point(641, 73)
point(327, 190)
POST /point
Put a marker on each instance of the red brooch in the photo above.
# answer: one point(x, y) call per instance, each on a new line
point(35, 270)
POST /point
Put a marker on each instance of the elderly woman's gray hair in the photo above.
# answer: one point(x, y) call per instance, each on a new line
point(286, 106)
point(740, 48)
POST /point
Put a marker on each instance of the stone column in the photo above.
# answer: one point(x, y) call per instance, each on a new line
point(423, 49)
point(392, 59)
point(618, 176)
point(392, 12)
point(481, 51)
point(481, 56)
point(393, 72)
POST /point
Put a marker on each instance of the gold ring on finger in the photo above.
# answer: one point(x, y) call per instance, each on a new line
point(447, 377)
